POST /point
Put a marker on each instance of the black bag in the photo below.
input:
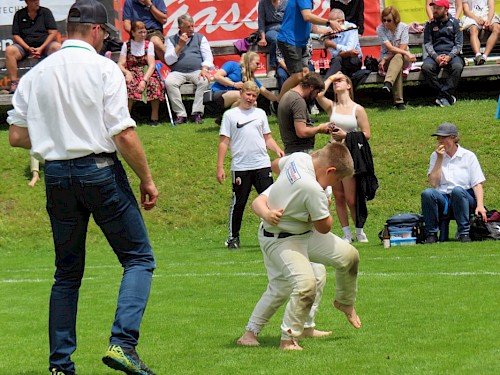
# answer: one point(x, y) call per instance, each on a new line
point(371, 63)
point(253, 38)
point(407, 221)
point(479, 230)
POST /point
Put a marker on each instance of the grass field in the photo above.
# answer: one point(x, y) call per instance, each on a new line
point(425, 309)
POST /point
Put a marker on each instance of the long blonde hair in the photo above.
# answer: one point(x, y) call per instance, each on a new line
point(246, 59)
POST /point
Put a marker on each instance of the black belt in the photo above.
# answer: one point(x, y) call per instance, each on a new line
point(282, 234)
point(111, 155)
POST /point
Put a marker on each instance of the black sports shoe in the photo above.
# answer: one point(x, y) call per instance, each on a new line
point(431, 238)
point(387, 88)
point(233, 243)
point(464, 237)
point(400, 106)
point(126, 360)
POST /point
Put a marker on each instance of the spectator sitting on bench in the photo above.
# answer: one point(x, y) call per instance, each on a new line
point(229, 80)
point(154, 15)
point(137, 63)
point(34, 33)
point(396, 57)
point(443, 41)
point(480, 15)
point(455, 10)
point(189, 57)
point(457, 185)
point(345, 49)
point(270, 16)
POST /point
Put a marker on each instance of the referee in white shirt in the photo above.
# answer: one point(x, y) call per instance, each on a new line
point(71, 111)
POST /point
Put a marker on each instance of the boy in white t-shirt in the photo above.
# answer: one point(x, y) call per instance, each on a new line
point(295, 232)
point(246, 131)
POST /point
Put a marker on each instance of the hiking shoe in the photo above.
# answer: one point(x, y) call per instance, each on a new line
point(442, 102)
point(180, 120)
point(233, 243)
point(387, 88)
point(479, 60)
point(347, 238)
point(197, 118)
point(431, 238)
point(154, 123)
point(464, 237)
point(400, 106)
point(55, 371)
point(361, 237)
point(126, 360)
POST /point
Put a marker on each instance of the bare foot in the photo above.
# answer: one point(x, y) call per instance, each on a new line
point(349, 312)
point(248, 339)
point(311, 332)
point(290, 345)
point(34, 179)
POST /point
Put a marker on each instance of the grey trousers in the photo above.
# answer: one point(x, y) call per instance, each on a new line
point(173, 83)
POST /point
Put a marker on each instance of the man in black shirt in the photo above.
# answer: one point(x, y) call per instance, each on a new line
point(354, 11)
point(34, 32)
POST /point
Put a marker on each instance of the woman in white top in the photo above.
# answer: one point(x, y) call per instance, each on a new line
point(346, 116)
point(395, 57)
point(137, 63)
point(455, 8)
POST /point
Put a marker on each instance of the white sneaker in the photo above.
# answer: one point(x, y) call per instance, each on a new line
point(347, 238)
point(361, 237)
point(314, 110)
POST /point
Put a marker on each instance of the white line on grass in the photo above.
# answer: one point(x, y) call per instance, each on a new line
point(261, 274)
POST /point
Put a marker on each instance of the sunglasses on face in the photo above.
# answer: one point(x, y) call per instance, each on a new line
point(388, 20)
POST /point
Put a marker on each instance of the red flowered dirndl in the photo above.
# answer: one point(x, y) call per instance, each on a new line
point(138, 65)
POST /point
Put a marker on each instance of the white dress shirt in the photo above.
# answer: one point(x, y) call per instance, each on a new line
point(73, 103)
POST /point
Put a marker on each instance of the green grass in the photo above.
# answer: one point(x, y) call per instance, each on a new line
point(425, 309)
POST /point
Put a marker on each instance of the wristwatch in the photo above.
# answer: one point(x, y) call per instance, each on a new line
point(327, 23)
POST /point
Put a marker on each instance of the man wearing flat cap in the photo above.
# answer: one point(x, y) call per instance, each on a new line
point(457, 185)
point(71, 111)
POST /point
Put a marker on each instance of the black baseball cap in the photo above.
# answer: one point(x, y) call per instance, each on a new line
point(90, 11)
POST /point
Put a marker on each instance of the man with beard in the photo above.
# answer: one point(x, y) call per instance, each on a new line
point(296, 129)
point(443, 41)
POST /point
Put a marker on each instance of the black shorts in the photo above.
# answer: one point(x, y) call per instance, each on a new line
point(216, 106)
point(296, 58)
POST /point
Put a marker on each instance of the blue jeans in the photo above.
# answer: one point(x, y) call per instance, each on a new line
point(446, 87)
point(460, 203)
point(271, 38)
point(94, 185)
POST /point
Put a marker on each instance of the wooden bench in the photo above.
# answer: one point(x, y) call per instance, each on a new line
point(224, 48)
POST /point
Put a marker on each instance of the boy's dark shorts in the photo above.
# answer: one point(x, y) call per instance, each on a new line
point(296, 58)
